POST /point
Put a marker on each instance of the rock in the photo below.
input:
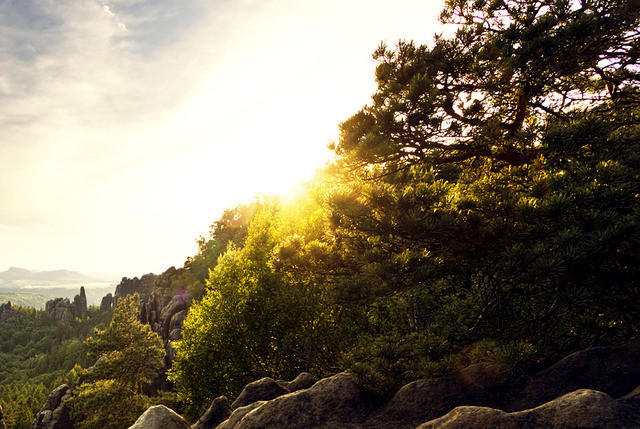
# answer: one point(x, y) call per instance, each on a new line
point(55, 413)
point(613, 370)
point(585, 409)
point(142, 286)
point(423, 400)
point(484, 374)
point(173, 308)
point(238, 414)
point(334, 402)
point(80, 303)
point(160, 417)
point(304, 380)
point(261, 390)
point(632, 399)
point(177, 320)
point(107, 302)
point(219, 411)
point(9, 316)
point(175, 335)
point(55, 397)
point(60, 309)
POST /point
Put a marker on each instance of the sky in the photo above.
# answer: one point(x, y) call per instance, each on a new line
point(128, 126)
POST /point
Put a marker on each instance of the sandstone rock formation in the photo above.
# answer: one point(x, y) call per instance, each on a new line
point(159, 416)
point(336, 401)
point(303, 381)
point(80, 303)
point(63, 311)
point(55, 413)
point(162, 308)
point(260, 390)
point(9, 317)
point(219, 411)
point(60, 309)
point(612, 370)
point(460, 401)
point(106, 303)
point(585, 409)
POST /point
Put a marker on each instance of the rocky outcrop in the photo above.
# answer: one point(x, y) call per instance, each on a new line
point(107, 302)
point(594, 388)
point(303, 381)
point(63, 311)
point(9, 316)
point(162, 307)
point(60, 309)
point(333, 402)
point(80, 303)
point(612, 370)
point(143, 286)
point(238, 414)
point(585, 409)
point(219, 411)
point(55, 413)
point(160, 416)
point(260, 390)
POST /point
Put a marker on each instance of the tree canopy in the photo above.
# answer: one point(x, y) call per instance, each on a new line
point(484, 205)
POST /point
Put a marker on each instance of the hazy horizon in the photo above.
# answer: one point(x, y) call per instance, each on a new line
point(128, 126)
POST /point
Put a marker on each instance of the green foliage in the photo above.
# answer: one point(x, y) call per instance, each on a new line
point(483, 209)
point(106, 404)
point(256, 318)
point(38, 356)
point(127, 352)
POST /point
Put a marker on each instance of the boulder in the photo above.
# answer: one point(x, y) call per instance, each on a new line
point(424, 400)
point(238, 415)
point(260, 390)
point(334, 402)
point(304, 380)
point(584, 408)
point(632, 399)
point(219, 411)
point(159, 416)
point(613, 370)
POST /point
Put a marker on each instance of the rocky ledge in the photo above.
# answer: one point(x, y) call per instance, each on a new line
point(594, 388)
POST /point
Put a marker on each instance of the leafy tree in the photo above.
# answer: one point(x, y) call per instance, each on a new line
point(128, 352)
point(256, 319)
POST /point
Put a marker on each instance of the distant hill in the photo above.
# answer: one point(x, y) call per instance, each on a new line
point(49, 277)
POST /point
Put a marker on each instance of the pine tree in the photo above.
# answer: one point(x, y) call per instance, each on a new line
point(128, 352)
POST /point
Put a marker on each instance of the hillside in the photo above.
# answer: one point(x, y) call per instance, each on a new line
point(22, 276)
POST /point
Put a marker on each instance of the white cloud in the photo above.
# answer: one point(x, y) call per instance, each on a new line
point(128, 125)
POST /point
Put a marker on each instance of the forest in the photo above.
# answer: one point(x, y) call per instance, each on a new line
point(37, 356)
point(484, 206)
